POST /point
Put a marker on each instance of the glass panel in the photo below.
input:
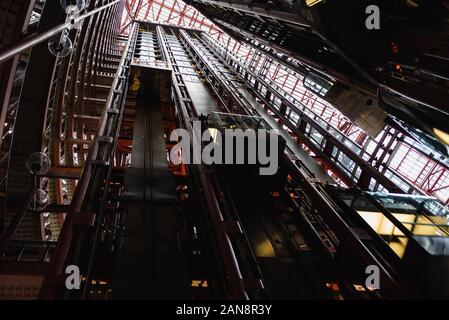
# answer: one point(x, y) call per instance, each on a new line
point(383, 226)
point(317, 84)
point(424, 217)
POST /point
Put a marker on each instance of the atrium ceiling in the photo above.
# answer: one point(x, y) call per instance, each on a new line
point(413, 164)
point(173, 12)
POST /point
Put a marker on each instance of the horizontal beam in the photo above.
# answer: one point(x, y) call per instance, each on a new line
point(64, 172)
point(27, 268)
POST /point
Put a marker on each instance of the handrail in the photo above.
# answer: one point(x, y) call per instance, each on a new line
point(23, 245)
point(6, 238)
point(34, 40)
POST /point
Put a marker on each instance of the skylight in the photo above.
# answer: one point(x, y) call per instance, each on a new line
point(173, 12)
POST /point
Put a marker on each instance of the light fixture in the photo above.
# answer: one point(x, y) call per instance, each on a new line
point(61, 45)
point(443, 136)
point(40, 200)
point(38, 163)
point(73, 5)
point(311, 3)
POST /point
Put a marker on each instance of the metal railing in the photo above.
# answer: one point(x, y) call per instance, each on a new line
point(29, 251)
point(10, 52)
point(348, 158)
point(311, 187)
point(89, 196)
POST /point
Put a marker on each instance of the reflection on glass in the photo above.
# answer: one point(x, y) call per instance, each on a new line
point(317, 84)
point(403, 217)
point(265, 249)
point(394, 237)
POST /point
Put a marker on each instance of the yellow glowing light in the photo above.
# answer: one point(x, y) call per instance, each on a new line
point(199, 283)
point(196, 283)
point(359, 287)
point(384, 227)
point(333, 286)
point(310, 3)
point(443, 136)
point(213, 133)
point(415, 223)
point(265, 249)
point(412, 3)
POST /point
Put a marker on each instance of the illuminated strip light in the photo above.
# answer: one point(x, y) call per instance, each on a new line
point(311, 3)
